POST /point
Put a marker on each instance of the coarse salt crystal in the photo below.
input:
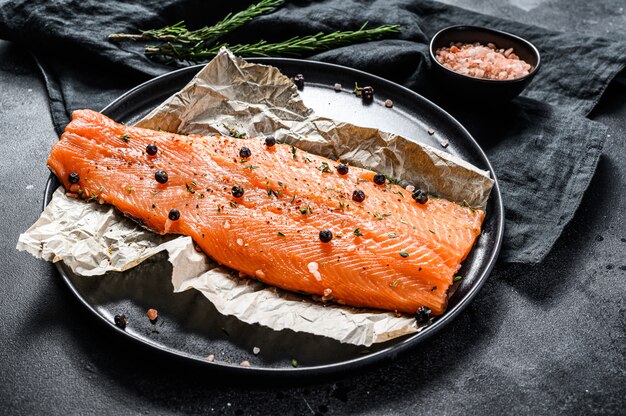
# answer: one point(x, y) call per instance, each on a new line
point(256, 350)
point(240, 241)
point(227, 225)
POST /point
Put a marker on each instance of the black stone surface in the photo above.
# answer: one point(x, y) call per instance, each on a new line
point(548, 339)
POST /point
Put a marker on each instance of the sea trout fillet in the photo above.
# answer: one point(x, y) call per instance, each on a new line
point(260, 208)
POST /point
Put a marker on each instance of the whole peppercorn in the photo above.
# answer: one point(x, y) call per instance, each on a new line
point(120, 320)
point(270, 141)
point(161, 176)
point(73, 178)
point(367, 93)
point(299, 81)
point(245, 152)
point(174, 214)
point(422, 315)
point(326, 236)
point(380, 179)
point(358, 195)
point(420, 196)
point(237, 191)
point(152, 149)
point(342, 169)
point(152, 315)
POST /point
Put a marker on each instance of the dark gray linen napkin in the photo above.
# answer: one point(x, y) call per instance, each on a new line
point(542, 147)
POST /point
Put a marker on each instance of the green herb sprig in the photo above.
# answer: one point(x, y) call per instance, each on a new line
point(179, 32)
point(296, 46)
point(180, 43)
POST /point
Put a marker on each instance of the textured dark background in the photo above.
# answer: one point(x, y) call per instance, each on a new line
point(544, 339)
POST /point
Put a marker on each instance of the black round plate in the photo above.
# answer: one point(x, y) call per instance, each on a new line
point(190, 327)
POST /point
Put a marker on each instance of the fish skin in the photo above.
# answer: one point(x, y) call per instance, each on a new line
point(272, 231)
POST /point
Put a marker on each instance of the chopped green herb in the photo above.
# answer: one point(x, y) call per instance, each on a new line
point(380, 216)
point(280, 183)
point(194, 183)
point(394, 283)
point(155, 193)
point(294, 362)
point(81, 193)
point(190, 189)
point(306, 159)
point(403, 221)
point(361, 180)
point(432, 231)
point(219, 208)
point(466, 205)
point(101, 188)
point(433, 289)
point(392, 235)
point(200, 196)
point(293, 152)
point(399, 193)
point(404, 254)
point(325, 168)
point(125, 137)
point(234, 133)
point(271, 192)
point(303, 211)
point(250, 167)
point(129, 189)
point(294, 198)
point(357, 232)
point(280, 234)
point(233, 204)
point(457, 278)
point(92, 198)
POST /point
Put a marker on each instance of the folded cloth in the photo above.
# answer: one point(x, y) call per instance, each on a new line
point(542, 147)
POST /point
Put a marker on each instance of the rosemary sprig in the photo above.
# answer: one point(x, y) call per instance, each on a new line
point(295, 46)
point(179, 32)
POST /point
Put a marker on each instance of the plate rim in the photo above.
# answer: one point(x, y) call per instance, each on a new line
point(389, 353)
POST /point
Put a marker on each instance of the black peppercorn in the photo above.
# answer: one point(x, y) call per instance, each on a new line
point(342, 169)
point(73, 177)
point(379, 179)
point(420, 196)
point(270, 141)
point(245, 152)
point(326, 236)
point(299, 81)
point(120, 320)
point(237, 191)
point(151, 149)
point(161, 176)
point(358, 195)
point(422, 315)
point(174, 214)
point(367, 93)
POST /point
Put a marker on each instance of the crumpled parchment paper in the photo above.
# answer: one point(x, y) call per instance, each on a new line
point(230, 92)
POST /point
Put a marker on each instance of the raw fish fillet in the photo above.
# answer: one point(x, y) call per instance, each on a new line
point(387, 252)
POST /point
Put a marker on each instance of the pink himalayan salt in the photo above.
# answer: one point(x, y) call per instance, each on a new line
point(480, 61)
